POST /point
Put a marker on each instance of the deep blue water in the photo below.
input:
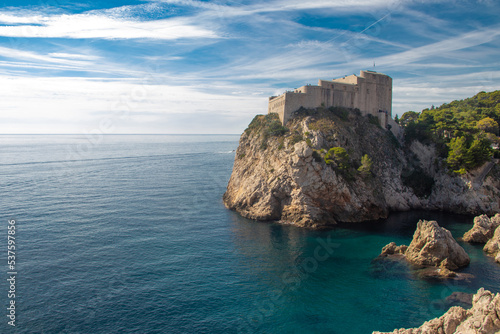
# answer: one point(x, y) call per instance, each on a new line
point(128, 234)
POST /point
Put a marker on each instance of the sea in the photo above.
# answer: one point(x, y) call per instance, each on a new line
point(128, 234)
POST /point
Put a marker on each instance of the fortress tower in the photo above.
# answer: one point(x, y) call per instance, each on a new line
point(370, 92)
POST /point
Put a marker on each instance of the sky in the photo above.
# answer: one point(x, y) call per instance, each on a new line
point(208, 67)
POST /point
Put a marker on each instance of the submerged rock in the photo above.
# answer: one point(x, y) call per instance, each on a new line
point(460, 298)
point(434, 246)
point(440, 273)
point(393, 249)
point(482, 318)
point(483, 229)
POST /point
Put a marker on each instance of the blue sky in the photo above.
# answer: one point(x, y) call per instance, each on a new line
point(188, 66)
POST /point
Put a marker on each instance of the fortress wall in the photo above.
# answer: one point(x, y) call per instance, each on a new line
point(396, 129)
point(344, 97)
point(374, 94)
point(277, 105)
point(307, 98)
point(351, 79)
point(338, 94)
point(369, 92)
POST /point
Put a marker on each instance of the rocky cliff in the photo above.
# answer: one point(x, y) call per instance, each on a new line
point(482, 318)
point(486, 230)
point(282, 174)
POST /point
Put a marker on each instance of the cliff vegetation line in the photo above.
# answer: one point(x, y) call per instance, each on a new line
point(465, 132)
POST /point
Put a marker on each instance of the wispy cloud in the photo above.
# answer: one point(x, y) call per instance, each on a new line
point(188, 66)
point(101, 26)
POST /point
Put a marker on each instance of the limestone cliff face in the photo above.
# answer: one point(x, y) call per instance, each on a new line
point(284, 177)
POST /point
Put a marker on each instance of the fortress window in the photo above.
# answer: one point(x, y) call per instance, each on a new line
point(367, 91)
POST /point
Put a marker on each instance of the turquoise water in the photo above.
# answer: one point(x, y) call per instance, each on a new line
point(128, 234)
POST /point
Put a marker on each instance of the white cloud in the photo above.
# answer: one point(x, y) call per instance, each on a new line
point(419, 93)
point(73, 56)
point(69, 105)
point(267, 49)
point(290, 5)
point(101, 26)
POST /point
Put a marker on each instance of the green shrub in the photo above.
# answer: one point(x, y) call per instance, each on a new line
point(488, 124)
point(295, 139)
point(457, 129)
point(281, 141)
point(275, 129)
point(338, 157)
point(340, 112)
point(478, 153)
point(463, 156)
point(366, 165)
point(373, 120)
point(266, 126)
point(317, 156)
point(323, 125)
point(255, 124)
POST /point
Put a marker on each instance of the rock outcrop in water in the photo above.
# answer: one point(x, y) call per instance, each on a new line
point(492, 247)
point(482, 318)
point(483, 229)
point(433, 245)
point(281, 173)
point(486, 230)
point(393, 249)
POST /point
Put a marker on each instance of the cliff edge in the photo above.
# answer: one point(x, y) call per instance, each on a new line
point(334, 165)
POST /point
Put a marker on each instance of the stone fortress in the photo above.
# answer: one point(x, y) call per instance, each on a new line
point(370, 92)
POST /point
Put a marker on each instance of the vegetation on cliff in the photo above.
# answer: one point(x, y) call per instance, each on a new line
point(464, 131)
point(331, 165)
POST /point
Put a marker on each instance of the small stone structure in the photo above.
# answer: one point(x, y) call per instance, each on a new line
point(370, 93)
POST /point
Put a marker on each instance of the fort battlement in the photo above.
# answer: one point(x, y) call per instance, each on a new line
point(370, 92)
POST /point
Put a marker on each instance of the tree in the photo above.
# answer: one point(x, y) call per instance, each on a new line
point(478, 153)
point(396, 119)
point(408, 117)
point(337, 156)
point(458, 151)
point(366, 165)
point(488, 124)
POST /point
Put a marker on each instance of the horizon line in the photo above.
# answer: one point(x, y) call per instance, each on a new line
point(120, 134)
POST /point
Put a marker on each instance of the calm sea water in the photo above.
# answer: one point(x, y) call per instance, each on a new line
point(128, 234)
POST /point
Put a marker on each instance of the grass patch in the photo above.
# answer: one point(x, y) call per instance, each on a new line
point(324, 125)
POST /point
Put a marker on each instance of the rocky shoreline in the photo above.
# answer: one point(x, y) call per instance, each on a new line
point(283, 174)
point(482, 318)
point(486, 231)
point(434, 249)
point(286, 175)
